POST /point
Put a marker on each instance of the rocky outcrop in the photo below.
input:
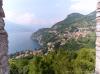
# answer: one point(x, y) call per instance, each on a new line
point(38, 36)
point(3, 43)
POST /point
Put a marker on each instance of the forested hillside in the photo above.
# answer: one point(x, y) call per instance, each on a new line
point(69, 48)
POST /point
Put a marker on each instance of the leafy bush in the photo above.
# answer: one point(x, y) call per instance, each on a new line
point(61, 62)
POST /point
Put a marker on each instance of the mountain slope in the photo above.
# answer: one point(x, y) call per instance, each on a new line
point(76, 19)
point(73, 23)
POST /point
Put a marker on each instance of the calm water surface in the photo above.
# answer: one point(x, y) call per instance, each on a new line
point(21, 41)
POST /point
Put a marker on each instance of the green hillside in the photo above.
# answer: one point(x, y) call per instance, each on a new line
point(74, 22)
point(77, 20)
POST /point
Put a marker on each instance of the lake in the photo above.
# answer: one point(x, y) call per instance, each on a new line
point(20, 41)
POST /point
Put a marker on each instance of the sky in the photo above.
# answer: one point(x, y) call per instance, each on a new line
point(45, 12)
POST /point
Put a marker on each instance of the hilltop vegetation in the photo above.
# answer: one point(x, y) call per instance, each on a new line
point(76, 20)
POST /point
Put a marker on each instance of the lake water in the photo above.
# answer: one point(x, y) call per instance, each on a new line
point(21, 41)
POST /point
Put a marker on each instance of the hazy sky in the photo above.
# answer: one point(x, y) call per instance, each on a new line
point(46, 12)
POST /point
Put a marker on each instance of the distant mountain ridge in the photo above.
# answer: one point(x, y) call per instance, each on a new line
point(13, 27)
point(77, 19)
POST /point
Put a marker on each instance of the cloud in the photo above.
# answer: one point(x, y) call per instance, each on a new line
point(19, 18)
point(27, 18)
point(83, 6)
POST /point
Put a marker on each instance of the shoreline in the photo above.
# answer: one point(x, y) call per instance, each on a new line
point(26, 53)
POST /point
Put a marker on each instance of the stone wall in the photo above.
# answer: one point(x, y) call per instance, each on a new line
point(98, 39)
point(3, 43)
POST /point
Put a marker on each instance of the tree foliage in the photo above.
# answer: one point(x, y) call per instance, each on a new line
point(60, 62)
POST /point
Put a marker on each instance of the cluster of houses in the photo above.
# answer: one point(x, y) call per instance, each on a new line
point(26, 53)
point(80, 32)
point(66, 35)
